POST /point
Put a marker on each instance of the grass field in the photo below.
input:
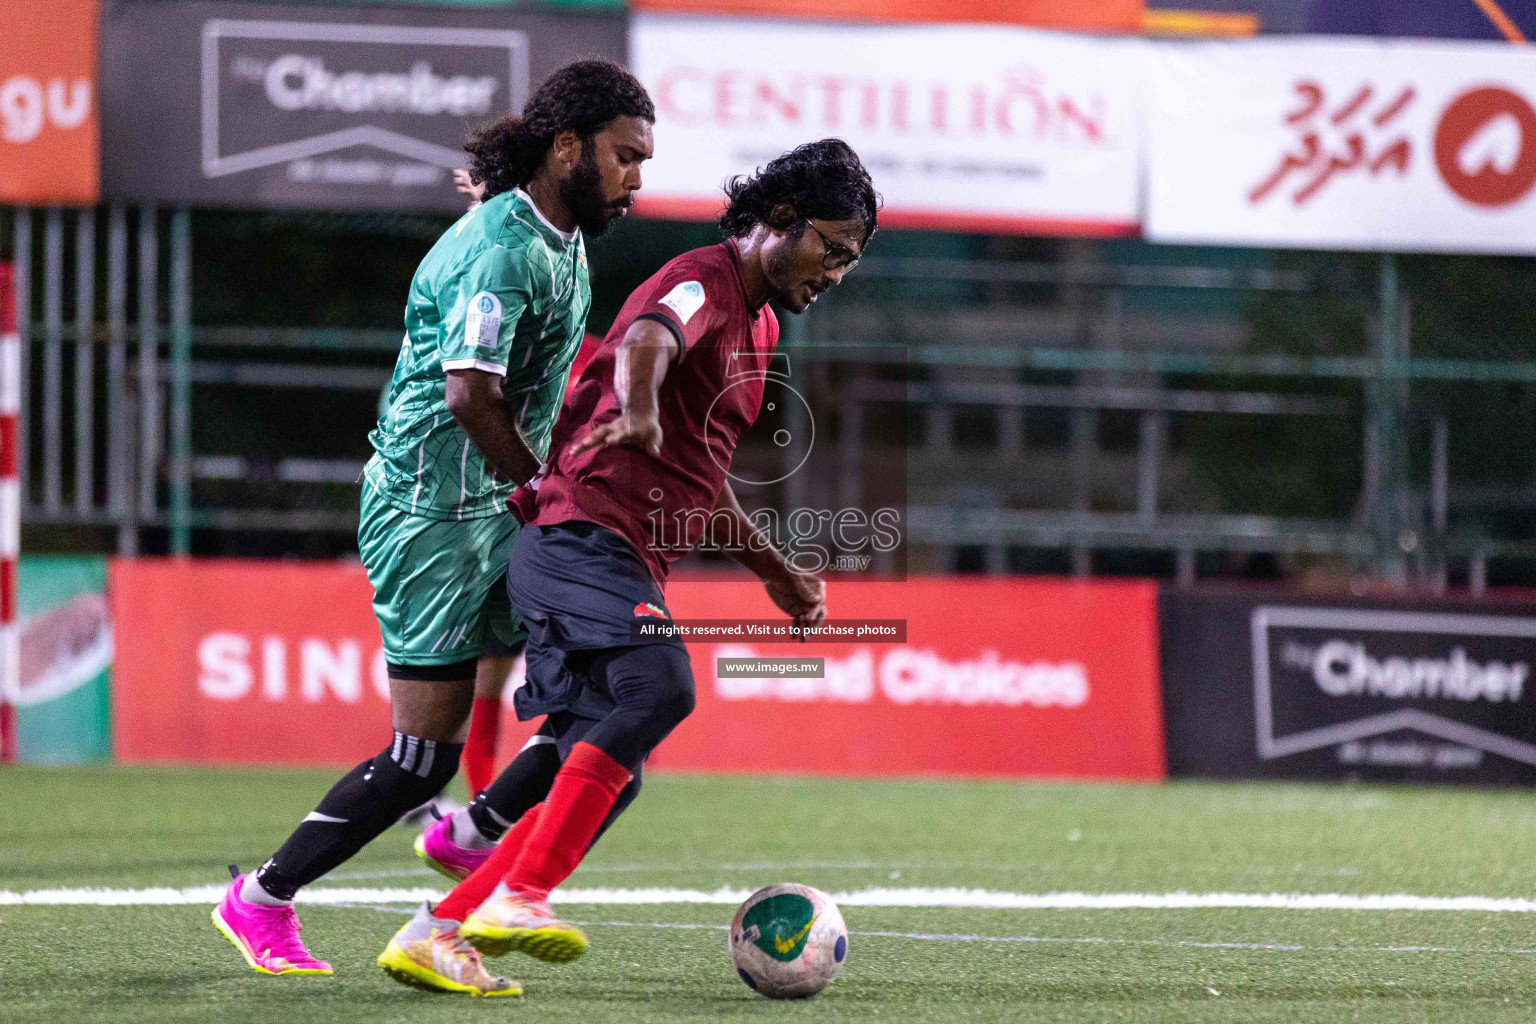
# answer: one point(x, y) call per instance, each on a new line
point(132, 828)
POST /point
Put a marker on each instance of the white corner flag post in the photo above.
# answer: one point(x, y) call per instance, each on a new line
point(10, 513)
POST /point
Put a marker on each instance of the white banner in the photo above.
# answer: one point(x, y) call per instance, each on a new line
point(1343, 144)
point(965, 127)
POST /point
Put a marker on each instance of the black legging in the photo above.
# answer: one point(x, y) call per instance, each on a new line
point(651, 686)
point(526, 781)
point(652, 689)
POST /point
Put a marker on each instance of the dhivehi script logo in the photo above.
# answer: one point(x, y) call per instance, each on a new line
point(279, 92)
point(1333, 676)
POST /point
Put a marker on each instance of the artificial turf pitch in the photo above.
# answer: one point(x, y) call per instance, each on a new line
point(133, 828)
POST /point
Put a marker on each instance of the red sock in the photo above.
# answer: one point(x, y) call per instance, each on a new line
point(584, 792)
point(479, 758)
point(472, 892)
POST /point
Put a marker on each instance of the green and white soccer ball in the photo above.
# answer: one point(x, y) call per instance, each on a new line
point(788, 941)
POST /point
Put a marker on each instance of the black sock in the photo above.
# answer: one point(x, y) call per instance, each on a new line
point(367, 800)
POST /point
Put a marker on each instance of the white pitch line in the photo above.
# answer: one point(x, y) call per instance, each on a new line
point(1250, 947)
point(1261, 947)
point(765, 865)
point(200, 894)
point(981, 899)
point(786, 865)
point(359, 876)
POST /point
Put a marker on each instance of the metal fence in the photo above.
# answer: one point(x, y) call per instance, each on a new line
point(109, 470)
point(1402, 532)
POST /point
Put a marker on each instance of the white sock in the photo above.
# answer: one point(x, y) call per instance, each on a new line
point(252, 892)
point(425, 916)
point(465, 834)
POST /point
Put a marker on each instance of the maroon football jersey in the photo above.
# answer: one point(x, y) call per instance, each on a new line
point(708, 399)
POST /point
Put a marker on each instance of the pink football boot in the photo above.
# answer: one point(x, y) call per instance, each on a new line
point(437, 849)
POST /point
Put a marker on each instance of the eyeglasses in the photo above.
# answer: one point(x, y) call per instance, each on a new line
point(838, 257)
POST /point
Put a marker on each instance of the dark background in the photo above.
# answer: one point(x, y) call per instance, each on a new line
point(1208, 698)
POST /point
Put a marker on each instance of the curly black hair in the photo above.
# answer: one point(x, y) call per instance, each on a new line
point(822, 179)
point(584, 96)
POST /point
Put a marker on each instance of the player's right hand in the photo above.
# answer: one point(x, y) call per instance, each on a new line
point(642, 433)
point(803, 598)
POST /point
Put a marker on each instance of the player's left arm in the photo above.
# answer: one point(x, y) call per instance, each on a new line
point(801, 596)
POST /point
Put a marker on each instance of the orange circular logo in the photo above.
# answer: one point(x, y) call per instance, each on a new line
point(1485, 146)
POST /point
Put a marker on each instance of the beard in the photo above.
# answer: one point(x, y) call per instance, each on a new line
point(779, 269)
point(582, 194)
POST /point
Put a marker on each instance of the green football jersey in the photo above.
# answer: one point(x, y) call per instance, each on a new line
point(503, 291)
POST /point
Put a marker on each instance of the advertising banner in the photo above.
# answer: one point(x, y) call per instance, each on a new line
point(254, 662)
point(1040, 678)
point(1256, 685)
point(963, 127)
point(48, 116)
point(1511, 20)
point(1343, 144)
point(310, 107)
point(1100, 16)
point(65, 650)
point(240, 662)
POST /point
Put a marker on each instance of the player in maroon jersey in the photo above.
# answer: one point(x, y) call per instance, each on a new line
point(646, 437)
point(496, 661)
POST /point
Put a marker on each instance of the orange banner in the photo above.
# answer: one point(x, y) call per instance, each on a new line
point(1071, 15)
point(262, 662)
point(49, 150)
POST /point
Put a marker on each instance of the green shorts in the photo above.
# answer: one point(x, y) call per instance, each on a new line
point(438, 585)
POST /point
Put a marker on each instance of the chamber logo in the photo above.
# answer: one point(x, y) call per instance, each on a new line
point(296, 81)
point(1332, 677)
point(1345, 669)
point(290, 93)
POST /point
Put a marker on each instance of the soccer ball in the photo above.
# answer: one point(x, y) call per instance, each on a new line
point(788, 941)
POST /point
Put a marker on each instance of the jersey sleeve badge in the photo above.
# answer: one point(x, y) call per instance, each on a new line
point(685, 300)
point(482, 324)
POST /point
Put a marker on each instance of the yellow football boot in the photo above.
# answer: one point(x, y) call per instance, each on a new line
point(429, 953)
point(507, 923)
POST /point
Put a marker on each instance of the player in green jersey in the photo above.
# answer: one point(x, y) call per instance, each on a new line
point(495, 316)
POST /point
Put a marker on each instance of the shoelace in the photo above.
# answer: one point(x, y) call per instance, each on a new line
point(455, 944)
point(539, 908)
point(458, 948)
point(458, 945)
point(286, 943)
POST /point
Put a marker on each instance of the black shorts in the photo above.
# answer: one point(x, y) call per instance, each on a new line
point(579, 588)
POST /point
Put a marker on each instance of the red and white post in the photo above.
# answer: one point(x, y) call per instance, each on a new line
point(10, 512)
